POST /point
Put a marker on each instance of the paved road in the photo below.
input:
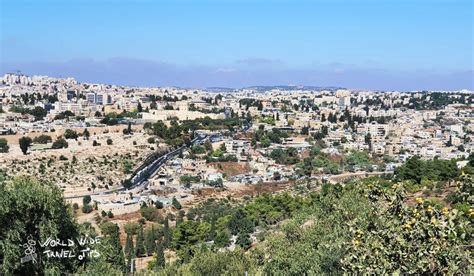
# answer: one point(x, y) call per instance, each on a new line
point(140, 178)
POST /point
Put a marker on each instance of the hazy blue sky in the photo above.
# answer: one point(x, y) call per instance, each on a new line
point(378, 44)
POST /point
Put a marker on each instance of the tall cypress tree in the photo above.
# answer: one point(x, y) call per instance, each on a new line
point(129, 244)
point(129, 251)
point(180, 217)
point(111, 246)
point(160, 256)
point(149, 241)
point(212, 233)
point(140, 249)
point(166, 234)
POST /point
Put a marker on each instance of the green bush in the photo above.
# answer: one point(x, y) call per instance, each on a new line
point(150, 214)
point(87, 208)
point(42, 139)
point(60, 143)
point(4, 145)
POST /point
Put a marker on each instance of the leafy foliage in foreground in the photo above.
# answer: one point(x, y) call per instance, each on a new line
point(409, 239)
point(33, 210)
point(370, 227)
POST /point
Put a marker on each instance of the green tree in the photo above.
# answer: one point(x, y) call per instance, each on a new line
point(160, 256)
point(139, 243)
point(411, 169)
point(129, 251)
point(110, 247)
point(70, 134)
point(86, 199)
point(149, 241)
point(4, 145)
point(150, 213)
point(159, 204)
point(128, 130)
point(86, 133)
point(176, 203)
point(42, 139)
point(33, 210)
point(60, 144)
point(368, 140)
point(25, 143)
point(166, 234)
point(38, 112)
point(87, 208)
point(179, 218)
point(408, 239)
point(243, 240)
point(208, 145)
point(222, 263)
point(212, 233)
point(222, 239)
point(131, 228)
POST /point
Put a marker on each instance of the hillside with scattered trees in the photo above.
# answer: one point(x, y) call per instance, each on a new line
point(373, 226)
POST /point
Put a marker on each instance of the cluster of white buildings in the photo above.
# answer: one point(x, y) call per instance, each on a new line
point(389, 120)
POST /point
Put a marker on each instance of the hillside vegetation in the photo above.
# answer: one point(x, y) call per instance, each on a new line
point(415, 223)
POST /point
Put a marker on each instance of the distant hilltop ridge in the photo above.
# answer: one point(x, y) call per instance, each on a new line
point(274, 87)
point(293, 87)
point(23, 79)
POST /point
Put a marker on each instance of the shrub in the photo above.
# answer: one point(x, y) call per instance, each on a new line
point(25, 143)
point(159, 204)
point(42, 139)
point(86, 199)
point(60, 144)
point(176, 203)
point(70, 134)
point(86, 209)
point(150, 214)
point(4, 145)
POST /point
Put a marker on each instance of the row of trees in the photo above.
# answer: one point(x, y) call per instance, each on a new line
point(419, 170)
point(26, 142)
point(38, 112)
point(266, 138)
point(318, 161)
point(179, 133)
